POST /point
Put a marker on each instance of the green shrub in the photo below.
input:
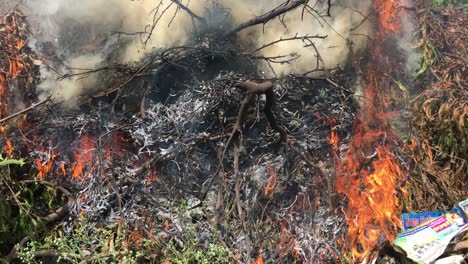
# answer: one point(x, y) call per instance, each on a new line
point(192, 252)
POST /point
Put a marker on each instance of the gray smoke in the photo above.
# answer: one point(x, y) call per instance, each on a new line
point(73, 29)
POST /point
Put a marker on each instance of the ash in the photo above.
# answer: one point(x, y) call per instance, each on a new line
point(179, 142)
point(161, 153)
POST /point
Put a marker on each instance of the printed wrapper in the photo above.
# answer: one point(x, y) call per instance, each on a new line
point(411, 220)
point(464, 208)
point(426, 242)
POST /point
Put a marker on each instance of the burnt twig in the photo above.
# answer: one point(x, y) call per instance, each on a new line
point(13, 253)
point(190, 12)
point(295, 37)
point(62, 211)
point(263, 19)
point(24, 110)
point(250, 88)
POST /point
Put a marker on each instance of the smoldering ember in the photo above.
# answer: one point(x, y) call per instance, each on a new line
point(233, 131)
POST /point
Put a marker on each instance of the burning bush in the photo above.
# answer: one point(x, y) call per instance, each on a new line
point(181, 132)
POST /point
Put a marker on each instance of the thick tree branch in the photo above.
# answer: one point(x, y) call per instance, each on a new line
point(251, 89)
point(255, 88)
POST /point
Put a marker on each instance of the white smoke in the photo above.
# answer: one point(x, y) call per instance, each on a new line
point(339, 29)
point(81, 32)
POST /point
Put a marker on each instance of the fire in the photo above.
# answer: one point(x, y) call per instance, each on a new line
point(259, 259)
point(370, 177)
point(333, 139)
point(47, 161)
point(388, 14)
point(8, 148)
point(373, 201)
point(270, 188)
point(12, 49)
point(83, 156)
point(45, 167)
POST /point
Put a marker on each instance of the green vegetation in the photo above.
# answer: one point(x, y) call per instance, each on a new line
point(449, 2)
point(456, 3)
point(87, 242)
point(112, 243)
point(428, 57)
point(17, 215)
point(189, 251)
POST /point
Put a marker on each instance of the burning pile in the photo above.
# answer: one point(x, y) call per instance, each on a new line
point(156, 137)
point(195, 148)
point(18, 73)
point(371, 175)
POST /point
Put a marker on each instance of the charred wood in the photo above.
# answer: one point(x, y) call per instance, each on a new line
point(263, 19)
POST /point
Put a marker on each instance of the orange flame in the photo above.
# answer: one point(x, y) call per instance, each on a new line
point(8, 148)
point(83, 156)
point(373, 201)
point(333, 140)
point(270, 188)
point(259, 259)
point(370, 177)
point(12, 49)
point(388, 14)
point(44, 168)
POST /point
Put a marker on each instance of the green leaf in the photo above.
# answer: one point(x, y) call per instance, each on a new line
point(7, 161)
point(401, 86)
point(5, 213)
point(424, 65)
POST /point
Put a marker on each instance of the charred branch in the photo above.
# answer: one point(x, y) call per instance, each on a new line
point(190, 12)
point(255, 88)
point(62, 211)
point(263, 19)
point(296, 37)
point(14, 251)
point(250, 88)
point(24, 111)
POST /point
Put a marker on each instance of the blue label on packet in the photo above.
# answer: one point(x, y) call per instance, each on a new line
point(411, 220)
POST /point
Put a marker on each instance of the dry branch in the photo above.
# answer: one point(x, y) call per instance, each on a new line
point(14, 251)
point(263, 19)
point(255, 88)
point(190, 12)
point(250, 88)
point(295, 37)
point(24, 110)
point(62, 211)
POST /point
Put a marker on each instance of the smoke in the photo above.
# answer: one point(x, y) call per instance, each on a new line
point(70, 88)
point(343, 28)
point(91, 33)
point(405, 43)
